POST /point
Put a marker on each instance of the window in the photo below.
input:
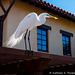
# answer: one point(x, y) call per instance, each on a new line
point(42, 43)
point(66, 45)
point(66, 37)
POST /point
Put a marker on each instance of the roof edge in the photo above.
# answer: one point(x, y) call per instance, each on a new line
point(50, 8)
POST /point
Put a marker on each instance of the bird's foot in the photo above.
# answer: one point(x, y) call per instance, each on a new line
point(29, 53)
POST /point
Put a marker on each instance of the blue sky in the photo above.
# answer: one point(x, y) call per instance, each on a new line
point(67, 5)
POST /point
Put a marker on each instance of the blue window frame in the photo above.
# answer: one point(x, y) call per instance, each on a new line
point(42, 39)
point(66, 40)
point(66, 45)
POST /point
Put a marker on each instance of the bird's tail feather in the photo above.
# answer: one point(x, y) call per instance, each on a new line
point(12, 41)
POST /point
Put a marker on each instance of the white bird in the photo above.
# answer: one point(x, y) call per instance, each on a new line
point(29, 22)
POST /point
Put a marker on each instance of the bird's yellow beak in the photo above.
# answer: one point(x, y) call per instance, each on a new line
point(53, 17)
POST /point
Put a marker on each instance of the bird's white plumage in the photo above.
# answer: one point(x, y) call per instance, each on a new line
point(29, 22)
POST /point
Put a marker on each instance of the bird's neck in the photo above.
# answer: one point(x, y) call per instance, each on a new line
point(41, 20)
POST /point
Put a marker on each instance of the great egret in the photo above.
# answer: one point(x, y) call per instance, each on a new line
point(29, 22)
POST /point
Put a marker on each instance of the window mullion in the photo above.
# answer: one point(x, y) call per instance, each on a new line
point(41, 39)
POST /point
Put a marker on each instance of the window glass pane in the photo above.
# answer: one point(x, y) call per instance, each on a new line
point(43, 37)
point(67, 43)
point(44, 48)
point(38, 36)
point(67, 48)
point(67, 39)
point(64, 48)
point(64, 43)
point(68, 53)
point(39, 47)
point(65, 53)
point(39, 31)
point(39, 41)
point(43, 32)
point(43, 42)
point(63, 37)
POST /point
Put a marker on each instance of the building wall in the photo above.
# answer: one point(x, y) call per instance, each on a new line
point(21, 9)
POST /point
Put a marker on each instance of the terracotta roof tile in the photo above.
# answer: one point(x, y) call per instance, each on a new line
point(51, 5)
point(69, 13)
point(47, 3)
point(60, 9)
point(72, 14)
point(66, 12)
point(54, 6)
point(63, 11)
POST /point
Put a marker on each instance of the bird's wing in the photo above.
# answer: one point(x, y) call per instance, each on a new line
point(25, 24)
point(30, 15)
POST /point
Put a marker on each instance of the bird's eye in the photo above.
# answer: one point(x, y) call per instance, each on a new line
point(48, 15)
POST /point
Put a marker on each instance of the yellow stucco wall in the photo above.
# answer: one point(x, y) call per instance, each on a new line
point(21, 9)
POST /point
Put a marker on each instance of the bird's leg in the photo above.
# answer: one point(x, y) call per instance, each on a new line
point(25, 39)
point(29, 40)
point(30, 52)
